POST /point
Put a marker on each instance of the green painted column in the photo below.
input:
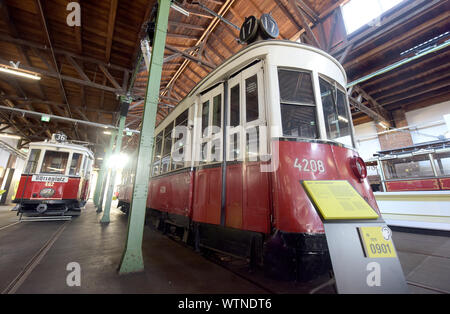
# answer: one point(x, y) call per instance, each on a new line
point(99, 186)
point(132, 260)
point(112, 179)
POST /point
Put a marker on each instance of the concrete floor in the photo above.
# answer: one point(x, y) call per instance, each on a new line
point(169, 266)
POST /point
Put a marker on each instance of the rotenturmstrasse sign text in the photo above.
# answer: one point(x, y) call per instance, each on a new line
point(45, 178)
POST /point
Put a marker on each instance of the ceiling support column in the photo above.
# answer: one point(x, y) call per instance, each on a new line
point(132, 260)
point(102, 178)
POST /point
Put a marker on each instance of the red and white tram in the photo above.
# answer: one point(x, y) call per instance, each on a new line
point(56, 178)
point(274, 114)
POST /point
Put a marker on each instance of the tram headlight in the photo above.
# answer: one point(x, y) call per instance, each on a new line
point(359, 167)
point(47, 192)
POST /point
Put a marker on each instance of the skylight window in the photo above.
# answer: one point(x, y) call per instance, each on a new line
point(357, 13)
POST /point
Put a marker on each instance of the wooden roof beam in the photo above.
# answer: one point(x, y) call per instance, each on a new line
point(186, 25)
point(110, 78)
point(77, 67)
point(27, 43)
point(304, 24)
point(314, 17)
point(111, 24)
point(191, 57)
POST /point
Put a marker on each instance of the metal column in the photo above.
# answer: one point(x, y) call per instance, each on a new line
point(112, 179)
point(99, 186)
point(132, 260)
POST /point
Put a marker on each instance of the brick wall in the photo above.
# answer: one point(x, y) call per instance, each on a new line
point(395, 139)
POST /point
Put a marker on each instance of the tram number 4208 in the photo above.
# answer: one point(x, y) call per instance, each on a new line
point(309, 165)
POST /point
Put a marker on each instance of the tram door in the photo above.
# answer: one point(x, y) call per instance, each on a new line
point(208, 187)
point(246, 203)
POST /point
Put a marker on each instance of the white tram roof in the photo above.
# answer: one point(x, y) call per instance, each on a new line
point(283, 53)
point(63, 145)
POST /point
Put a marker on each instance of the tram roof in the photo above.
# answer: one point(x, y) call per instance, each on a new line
point(64, 145)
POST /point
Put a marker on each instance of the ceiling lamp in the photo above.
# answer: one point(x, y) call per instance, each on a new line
point(14, 70)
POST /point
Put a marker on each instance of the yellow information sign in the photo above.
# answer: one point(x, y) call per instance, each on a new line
point(377, 241)
point(338, 200)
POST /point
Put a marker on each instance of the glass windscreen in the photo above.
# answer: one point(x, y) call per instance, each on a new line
point(408, 167)
point(33, 161)
point(54, 162)
point(298, 106)
point(335, 112)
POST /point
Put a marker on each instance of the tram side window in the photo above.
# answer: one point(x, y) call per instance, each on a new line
point(167, 148)
point(442, 162)
point(418, 166)
point(251, 98)
point(205, 117)
point(180, 140)
point(298, 106)
point(54, 162)
point(234, 106)
point(157, 154)
point(337, 120)
point(75, 164)
point(33, 161)
point(88, 168)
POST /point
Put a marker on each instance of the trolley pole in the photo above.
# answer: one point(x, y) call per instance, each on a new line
point(109, 194)
point(101, 175)
point(132, 260)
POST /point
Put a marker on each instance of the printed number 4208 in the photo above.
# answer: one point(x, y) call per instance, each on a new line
point(309, 165)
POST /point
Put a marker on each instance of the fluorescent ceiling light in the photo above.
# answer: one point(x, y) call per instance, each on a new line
point(383, 124)
point(16, 137)
point(179, 9)
point(19, 72)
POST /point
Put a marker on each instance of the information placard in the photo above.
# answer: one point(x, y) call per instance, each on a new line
point(377, 241)
point(338, 199)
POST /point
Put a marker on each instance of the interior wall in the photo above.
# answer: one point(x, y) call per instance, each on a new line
point(428, 115)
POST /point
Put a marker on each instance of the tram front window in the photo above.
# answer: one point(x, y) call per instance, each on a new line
point(298, 107)
point(54, 162)
point(336, 115)
point(33, 161)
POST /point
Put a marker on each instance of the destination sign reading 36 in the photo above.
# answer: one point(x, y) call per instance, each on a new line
point(377, 241)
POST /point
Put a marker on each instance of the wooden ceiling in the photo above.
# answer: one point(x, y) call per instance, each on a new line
point(84, 68)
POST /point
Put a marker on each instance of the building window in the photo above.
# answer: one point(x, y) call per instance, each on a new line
point(357, 13)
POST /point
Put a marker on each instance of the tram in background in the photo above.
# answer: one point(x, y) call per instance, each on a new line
point(56, 178)
point(421, 167)
point(270, 116)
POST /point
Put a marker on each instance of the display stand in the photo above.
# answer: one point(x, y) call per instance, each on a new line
point(360, 243)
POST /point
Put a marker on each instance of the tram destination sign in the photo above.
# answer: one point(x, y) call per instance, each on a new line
point(45, 178)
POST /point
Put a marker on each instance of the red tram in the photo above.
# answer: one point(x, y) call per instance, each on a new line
point(274, 114)
point(56, 178)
